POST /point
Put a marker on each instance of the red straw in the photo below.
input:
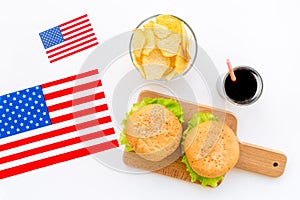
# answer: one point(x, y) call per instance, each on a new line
point(231, 72)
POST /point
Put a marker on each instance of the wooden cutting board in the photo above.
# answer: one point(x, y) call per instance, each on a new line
point(252, 158)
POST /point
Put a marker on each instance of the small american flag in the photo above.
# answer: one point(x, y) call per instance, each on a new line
point(39, 125)
point(68, 38)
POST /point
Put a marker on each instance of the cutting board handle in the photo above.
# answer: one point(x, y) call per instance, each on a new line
point(261, 160)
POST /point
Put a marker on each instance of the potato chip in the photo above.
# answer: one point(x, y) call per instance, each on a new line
point(172, 23)
point(142, 72)
point(138, 41)
point(169, 46)
point(150, 41)
point(161, 48)
point(171, 75)
point(172, 61)
point(185, 44)
point(156, 57)
point(154, 71)
point(139, 65)
point(167, 72)
point(137, 61)
point(161, 31)
point(155, 64)
point(149, 24)
point(180, 64)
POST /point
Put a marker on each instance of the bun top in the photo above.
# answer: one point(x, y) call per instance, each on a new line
point(211, 149)
point(147, 121)
point(153, 132)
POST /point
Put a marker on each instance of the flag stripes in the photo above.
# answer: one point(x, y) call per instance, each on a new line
point(68, 38)
point(78, 113)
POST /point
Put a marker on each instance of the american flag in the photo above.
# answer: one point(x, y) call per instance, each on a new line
point(46, 124)
point(68, 38)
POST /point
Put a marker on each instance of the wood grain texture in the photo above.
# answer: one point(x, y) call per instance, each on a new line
point(261, 160)
point(252, 158)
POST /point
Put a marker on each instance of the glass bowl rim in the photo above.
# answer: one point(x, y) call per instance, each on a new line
point(193, 36)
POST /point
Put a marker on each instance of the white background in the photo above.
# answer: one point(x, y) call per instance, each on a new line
point(261, 34)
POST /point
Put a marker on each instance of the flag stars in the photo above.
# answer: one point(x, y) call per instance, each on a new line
point(23, 111)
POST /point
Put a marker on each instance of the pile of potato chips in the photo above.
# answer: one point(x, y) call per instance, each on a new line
point(160, 48)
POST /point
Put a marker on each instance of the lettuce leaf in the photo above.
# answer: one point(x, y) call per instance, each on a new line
point(198, 118)
point(123, 141)
point(213, 182)
point(170, 104)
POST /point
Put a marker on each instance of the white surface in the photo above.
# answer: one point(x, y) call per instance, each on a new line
point(262, 34)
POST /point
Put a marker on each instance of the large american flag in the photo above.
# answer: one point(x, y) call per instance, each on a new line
point(46, 124)
point(68, 38)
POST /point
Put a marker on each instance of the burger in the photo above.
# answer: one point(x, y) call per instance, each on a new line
point(152, 128)
point(210, 149)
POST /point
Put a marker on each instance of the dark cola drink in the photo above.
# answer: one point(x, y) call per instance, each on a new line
point(246, 89)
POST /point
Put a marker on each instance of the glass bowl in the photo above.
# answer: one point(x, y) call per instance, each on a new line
point(192, 46)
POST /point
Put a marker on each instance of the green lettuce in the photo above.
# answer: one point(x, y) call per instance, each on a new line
point(170, 104)
point(213, 182)
point(123, 141)
point(197, 119)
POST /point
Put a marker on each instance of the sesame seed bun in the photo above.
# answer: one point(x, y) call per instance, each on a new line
point(211, 148)
point(153, 132)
